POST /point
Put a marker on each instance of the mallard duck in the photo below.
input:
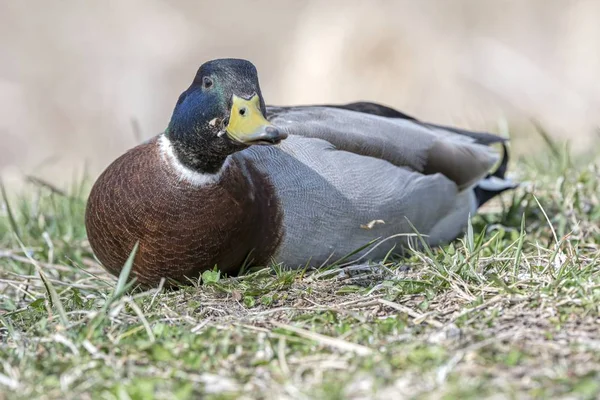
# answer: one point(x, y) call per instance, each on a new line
point(234, 182)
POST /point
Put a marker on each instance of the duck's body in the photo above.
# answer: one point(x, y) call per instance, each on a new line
point(309, 199)
point(330, 190)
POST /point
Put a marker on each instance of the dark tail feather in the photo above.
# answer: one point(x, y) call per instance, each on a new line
point(494, 183)
point(500, 172)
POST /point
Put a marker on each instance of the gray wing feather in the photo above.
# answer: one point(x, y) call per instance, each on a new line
point(401, 142)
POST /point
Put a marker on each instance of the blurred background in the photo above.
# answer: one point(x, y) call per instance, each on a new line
point(81, 82)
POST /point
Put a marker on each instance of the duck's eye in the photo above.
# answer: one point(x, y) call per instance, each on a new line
point(243, 111)
point(207, 82)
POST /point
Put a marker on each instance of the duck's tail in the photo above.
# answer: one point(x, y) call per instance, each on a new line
point(495, 182)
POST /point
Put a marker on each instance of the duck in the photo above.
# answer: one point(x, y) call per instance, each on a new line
point(233, 183)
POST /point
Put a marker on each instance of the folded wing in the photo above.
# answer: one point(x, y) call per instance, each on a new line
point(462, 156)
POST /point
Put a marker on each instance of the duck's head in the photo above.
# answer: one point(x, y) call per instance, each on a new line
point(222, 112)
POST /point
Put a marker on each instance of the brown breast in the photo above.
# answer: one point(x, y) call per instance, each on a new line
point(182, 229)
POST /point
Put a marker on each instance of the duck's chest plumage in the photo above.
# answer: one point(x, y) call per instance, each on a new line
point(183, 226)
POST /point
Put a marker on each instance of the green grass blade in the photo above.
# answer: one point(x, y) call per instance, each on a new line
point(122, 284)
point(519, 250)
point(11, 217)
point(54, 298)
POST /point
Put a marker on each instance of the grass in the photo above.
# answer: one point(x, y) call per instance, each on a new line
point(510, 310)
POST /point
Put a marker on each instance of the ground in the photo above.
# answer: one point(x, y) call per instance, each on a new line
point(508, 311)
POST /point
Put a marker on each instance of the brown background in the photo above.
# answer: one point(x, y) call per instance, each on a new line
point(82, 81)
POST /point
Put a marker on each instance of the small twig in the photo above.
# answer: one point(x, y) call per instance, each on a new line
point(45, 184)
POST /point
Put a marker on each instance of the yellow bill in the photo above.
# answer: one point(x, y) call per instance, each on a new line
point(248, 125)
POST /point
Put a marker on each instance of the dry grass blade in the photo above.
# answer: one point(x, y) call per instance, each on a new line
point(142, 317)
point(554, 235)
point(327, 341)
point(416, 315)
